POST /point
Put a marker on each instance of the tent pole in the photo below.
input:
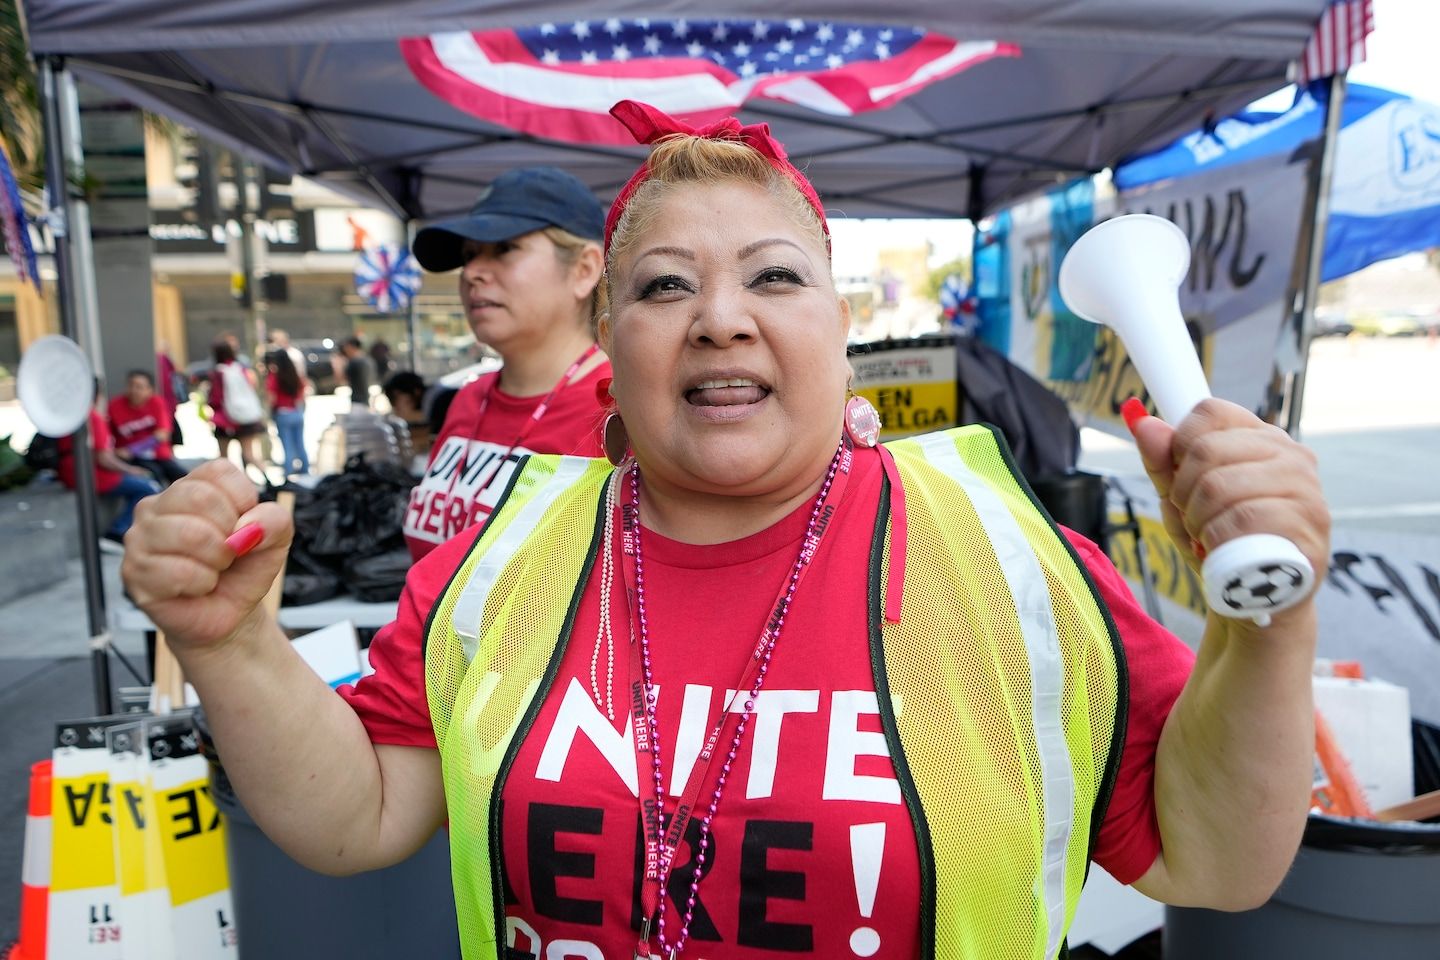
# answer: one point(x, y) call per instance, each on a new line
point(61, 155)
point(1319, 219)
point(412, 309)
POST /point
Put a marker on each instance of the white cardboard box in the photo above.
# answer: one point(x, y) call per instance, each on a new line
point(1371, 723)
point(333, 652)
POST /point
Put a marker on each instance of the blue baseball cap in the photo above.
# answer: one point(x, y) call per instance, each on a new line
point(516, 202)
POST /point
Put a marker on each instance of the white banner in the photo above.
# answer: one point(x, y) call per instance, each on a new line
point(1242, 222)
point(1379, 604)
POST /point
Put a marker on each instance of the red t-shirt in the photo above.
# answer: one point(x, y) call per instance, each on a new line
point(812, 819)
point(279, 399)
point(100, 439)
point(449, 499)
point(135, 427)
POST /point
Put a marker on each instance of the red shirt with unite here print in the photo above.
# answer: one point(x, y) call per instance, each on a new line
point(812, 850)
point(466, 476)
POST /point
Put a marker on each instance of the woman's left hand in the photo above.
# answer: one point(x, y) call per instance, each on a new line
point(1224, 472)
point(1230, 804)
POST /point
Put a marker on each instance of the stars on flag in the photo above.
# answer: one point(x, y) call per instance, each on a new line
point(751, 47)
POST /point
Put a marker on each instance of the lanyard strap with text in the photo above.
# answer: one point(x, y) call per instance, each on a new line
point(529, 424)
point(661, 842)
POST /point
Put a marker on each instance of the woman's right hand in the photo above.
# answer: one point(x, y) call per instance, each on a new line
point(178, 568)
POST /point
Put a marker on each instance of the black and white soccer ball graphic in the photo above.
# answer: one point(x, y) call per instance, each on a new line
point(1262, 587)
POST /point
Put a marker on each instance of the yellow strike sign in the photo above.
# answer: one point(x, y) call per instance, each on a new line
point(82, 851)
point(911, 383)
point(192, 841)
point(1172, 576)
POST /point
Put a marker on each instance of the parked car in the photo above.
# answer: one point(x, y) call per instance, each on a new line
point(1387, 325)
point(1330, 322)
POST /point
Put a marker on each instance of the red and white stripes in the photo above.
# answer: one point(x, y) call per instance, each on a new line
point(1338, 42)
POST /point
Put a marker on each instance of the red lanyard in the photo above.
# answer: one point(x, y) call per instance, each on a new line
point(660, 850)
point(525, 429)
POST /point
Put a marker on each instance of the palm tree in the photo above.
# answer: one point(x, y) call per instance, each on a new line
point(21, 129)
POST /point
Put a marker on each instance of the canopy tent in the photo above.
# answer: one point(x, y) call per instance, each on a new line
point(319, 88)
point(1385, 199)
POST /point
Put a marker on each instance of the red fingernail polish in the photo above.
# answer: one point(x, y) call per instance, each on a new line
point(1133, 411)
point(245, 539)
point(1198, 548)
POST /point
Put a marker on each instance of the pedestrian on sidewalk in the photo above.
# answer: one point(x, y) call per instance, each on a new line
point(287, 388)
point(236, 413)
point(114, 478)
point(359, 372)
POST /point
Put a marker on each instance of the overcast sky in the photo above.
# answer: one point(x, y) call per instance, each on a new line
point(1401, 51)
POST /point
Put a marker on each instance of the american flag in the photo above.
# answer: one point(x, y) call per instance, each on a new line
point(1338, 42)
point(558, 80)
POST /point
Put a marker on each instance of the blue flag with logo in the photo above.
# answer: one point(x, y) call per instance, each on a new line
point(1385, 195)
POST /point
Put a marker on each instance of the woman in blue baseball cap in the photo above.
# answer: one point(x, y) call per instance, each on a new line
point(530, 265)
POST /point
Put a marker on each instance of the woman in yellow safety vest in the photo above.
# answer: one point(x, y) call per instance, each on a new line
point(759, 684)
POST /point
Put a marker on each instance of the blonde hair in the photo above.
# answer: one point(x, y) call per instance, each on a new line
point(681, 159)
point(567, 248)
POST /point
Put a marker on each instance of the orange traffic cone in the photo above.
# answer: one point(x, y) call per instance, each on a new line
point(35, 869)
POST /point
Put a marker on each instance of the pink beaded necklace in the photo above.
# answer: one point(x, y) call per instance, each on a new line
point(661, 842)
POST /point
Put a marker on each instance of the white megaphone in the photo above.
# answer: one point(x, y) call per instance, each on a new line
point(1126, 274)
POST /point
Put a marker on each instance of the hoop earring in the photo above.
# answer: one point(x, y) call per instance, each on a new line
point(862, 422)
point(615, 439)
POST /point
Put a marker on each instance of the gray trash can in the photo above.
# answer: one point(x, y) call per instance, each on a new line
point(287, 912)
point(1358, 889)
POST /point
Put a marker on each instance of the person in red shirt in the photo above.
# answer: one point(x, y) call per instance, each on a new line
point(114, 478)
point(746, 475)
point(286, 387)
point(142, 427)
point(530, 266)
point(173, 387)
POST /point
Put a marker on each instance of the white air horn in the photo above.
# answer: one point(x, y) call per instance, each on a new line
point(1126, 273)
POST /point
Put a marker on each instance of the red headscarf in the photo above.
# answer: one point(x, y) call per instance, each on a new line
point(647, 125)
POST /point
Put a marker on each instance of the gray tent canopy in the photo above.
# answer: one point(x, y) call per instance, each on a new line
point(319, 88)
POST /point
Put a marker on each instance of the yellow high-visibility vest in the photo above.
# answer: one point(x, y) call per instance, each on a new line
point(1001, 689)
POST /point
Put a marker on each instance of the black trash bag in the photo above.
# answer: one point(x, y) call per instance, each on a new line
point(357, 513)
point(379, 578)
point(302, 589)
point(308, 578)
point(43, 453)
point(345, 518)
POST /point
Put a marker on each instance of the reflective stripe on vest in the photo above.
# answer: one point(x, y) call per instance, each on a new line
point(999, 689)
point(1022, 572)
point(471, 602)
